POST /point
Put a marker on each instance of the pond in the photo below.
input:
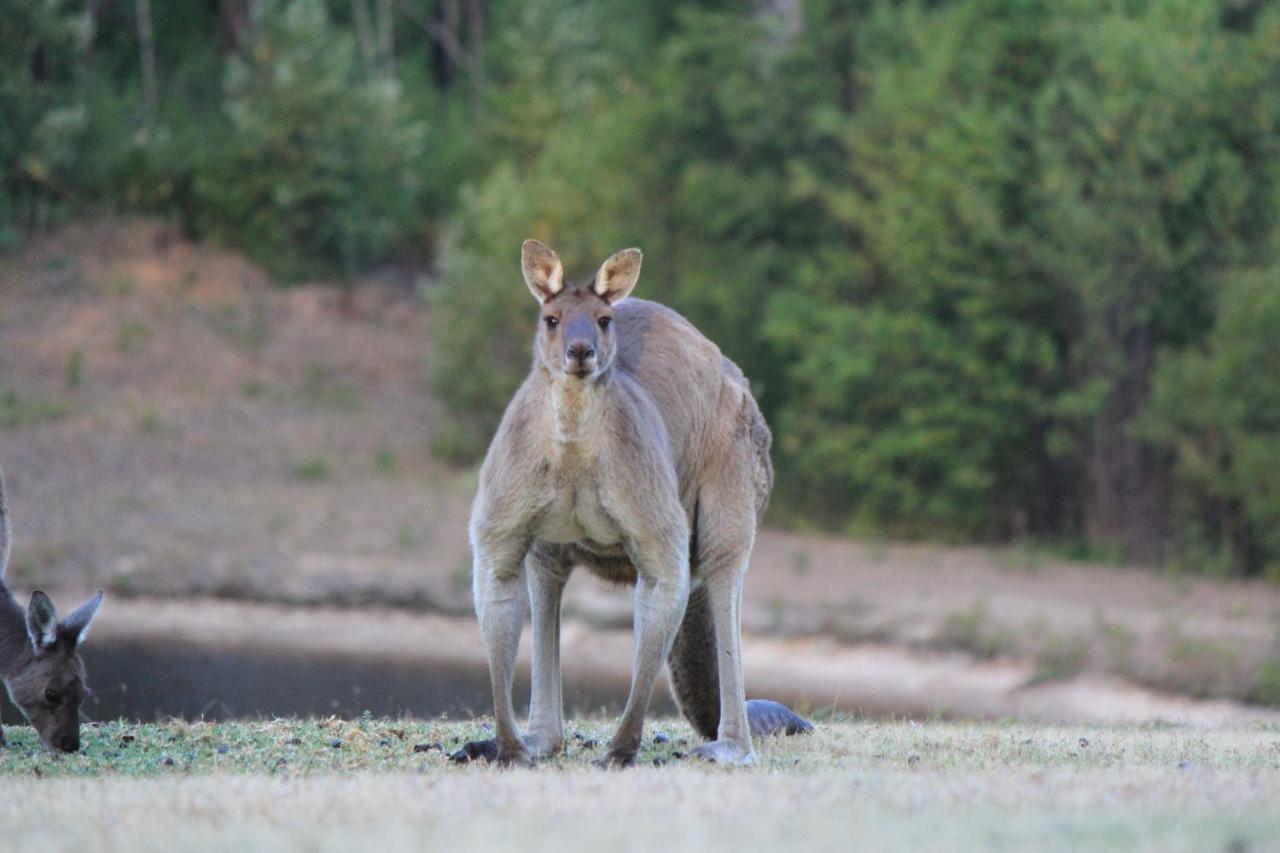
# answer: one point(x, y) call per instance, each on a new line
point(144, 682)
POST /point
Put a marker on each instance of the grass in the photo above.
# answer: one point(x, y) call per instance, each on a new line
point(331, 784)
point(17, 411)
point(313, 469)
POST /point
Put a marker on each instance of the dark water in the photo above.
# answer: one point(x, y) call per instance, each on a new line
point(144, 683)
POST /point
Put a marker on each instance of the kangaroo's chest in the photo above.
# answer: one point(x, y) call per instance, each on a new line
point(575, 510)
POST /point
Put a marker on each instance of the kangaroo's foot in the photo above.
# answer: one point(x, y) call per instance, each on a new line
point(771, 718)
point(726, 752)
point(616, 759)
point(490, 751)
point(3, 742)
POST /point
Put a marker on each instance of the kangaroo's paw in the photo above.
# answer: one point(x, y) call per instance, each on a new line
point(726, 752)
point(490, 751)
point(771, 718)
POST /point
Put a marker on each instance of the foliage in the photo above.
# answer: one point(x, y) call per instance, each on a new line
point(317, 175)
point(995, 267)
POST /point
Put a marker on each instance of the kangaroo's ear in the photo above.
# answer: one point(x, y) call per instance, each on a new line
point(618, 275)
point(76, 626)
point(42, 621)
point(543, 271)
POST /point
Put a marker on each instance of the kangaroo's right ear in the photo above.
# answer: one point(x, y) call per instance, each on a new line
point(42, 621)
point(6, 533)
point(543, 271)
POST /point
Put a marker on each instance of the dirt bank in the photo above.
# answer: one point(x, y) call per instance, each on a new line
point(816, 674)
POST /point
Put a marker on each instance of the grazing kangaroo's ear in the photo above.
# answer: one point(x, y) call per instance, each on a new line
point(42, 621)
point(76, 626)
point(6, 533)
point(618, 275)
point(543, 271)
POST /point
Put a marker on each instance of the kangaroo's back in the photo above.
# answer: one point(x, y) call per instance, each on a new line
point(704, 398)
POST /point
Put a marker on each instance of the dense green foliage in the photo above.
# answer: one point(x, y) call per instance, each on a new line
point(997, 268)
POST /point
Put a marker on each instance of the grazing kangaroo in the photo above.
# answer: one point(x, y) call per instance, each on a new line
point(633, 448)
point(39, 662)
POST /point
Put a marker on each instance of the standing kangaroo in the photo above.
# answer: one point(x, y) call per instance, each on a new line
point(39, 662)
point(634, 448)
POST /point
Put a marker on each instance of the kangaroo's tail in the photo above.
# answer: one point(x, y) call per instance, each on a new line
point(695, 680)
point(6, 532)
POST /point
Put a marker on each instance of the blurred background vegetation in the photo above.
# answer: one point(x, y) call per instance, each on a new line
point(998, 269)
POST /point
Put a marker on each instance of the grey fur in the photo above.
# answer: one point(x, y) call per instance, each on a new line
point(633, 448)
point(39, 662)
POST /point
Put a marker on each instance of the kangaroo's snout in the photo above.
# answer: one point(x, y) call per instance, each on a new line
point(67, 741)
point(580, 357)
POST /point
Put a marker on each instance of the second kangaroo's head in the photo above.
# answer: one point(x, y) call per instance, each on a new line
point(48, 684)
point(39, 655)
point(575, 332)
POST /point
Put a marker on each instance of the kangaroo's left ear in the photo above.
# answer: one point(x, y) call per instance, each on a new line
point(76, 626)
point(42, 621)
point(618, 275)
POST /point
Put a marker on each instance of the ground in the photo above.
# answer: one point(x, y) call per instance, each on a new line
point(172, 424)
point(387, 784)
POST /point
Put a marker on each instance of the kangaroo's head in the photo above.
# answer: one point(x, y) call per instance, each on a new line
point(39, 657)
point(575, 332)
point(48, 682)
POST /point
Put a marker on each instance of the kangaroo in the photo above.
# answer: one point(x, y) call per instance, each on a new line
point(39, 661)
point(633, 448)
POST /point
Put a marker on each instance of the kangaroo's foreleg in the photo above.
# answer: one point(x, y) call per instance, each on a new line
point(662, 591)
point(547, 571)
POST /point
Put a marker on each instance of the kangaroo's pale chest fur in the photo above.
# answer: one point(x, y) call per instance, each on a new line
point(574, 504)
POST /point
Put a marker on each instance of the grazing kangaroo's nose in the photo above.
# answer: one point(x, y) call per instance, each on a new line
point(581, 351)
point(67, 743)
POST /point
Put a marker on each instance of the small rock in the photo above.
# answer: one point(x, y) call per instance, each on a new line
point(294, 741)
point(223, 749)
point(589, 743)
point(166, 761)
point(913, 760)
point(658, 762)
point(1084, 743)
point(1184, 765)
point(678, 755)
point(660, 738)
point(384, 743)
point(127, 738)
point(336, 743)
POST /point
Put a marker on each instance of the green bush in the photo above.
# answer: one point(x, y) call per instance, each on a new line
point(317, 173)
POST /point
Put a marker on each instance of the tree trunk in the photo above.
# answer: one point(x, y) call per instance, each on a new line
point(147, 49)
point(1127, 490)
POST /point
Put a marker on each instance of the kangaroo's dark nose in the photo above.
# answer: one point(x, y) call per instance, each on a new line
point(581, 351)
point(68, 742)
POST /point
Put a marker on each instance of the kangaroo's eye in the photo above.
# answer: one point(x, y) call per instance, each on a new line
point(551, 322)
point(604, 322)
point(53, 697)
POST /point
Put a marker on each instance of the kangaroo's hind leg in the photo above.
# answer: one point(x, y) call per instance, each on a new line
point(546, 570)
point(726, 527)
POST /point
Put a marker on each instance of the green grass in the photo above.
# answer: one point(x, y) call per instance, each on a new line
point(313, 469)
point(330, 784)
point(17, 411)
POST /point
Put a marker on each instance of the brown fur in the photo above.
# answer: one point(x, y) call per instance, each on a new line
point(634, 448)
point(39, 661)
